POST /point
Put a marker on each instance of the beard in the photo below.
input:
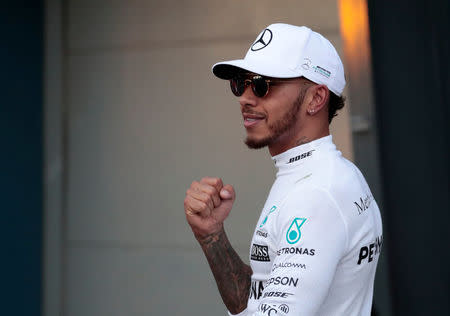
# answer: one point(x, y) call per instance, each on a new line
point(280, 126)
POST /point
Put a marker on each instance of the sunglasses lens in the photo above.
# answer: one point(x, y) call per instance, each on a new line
point(260, 86)
point(237, 86)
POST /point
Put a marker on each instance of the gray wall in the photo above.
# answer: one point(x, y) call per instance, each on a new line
point(136, 117)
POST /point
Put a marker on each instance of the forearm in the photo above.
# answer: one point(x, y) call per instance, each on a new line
point(231, 274)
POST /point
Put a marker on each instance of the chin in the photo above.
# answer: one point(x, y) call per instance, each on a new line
point(253, 143)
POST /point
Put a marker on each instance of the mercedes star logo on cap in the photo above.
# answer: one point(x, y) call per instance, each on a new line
point(263, 40)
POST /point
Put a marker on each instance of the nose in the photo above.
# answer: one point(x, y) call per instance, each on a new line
point(248, 98)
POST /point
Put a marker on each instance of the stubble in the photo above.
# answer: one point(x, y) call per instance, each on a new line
point(280, 126)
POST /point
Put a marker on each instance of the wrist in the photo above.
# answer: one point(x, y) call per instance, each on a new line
point(207, 238)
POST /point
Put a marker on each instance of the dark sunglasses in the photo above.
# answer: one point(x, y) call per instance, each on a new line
point(260, 85)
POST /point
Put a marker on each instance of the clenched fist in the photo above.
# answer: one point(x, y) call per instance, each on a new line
point(207, 204)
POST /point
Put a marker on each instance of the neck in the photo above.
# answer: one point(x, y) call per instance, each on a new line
point(291, 140)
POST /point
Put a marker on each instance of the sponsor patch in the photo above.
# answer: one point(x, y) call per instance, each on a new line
point(264, 39)
point(261, 233)
point(277, 294)
point(297, 251)
point(322, 71)
point(260, 253)
point(300, 157)
point(272, 209)
point(295, 265)
point(363, 204)
point(293, 233)
point(256, 289)
point(371, 251)
point(287, 281)
point(272, 309)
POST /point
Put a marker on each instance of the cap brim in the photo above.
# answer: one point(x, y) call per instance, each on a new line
point(228, 69)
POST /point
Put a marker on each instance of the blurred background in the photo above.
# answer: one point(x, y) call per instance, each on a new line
point(110, 111)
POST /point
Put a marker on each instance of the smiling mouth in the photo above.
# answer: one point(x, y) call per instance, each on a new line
point(251, 119)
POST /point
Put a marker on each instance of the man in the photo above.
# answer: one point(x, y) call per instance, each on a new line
point(316, 244)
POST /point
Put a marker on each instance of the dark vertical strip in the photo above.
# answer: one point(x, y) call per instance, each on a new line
point(410, 46)
point(21, 158)
point(65, 155)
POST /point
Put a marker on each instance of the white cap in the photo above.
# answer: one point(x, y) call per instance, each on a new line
point(289, 51)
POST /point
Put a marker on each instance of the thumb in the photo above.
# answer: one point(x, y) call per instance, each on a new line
point(227, 193)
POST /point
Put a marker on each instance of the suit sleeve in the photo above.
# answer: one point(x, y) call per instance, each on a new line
point(311, 238)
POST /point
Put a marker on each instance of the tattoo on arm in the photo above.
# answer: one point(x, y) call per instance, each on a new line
point(231, 274)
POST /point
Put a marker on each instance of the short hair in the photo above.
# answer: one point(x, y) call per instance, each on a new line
point(335, 103)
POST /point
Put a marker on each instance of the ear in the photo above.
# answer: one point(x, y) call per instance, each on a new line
point(318, 99)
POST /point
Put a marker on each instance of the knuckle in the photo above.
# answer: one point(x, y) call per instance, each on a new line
point(203, 197)
point(207, 198)
point(202, 206)
point(210, 190)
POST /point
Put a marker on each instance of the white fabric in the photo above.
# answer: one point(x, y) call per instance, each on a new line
point(316, 245)
point(289, 51)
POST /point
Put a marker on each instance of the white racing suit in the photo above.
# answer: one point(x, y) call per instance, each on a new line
point(316, 245)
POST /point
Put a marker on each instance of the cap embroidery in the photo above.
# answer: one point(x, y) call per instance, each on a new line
point(263, 40)
point(307, 64)
point(322, 71)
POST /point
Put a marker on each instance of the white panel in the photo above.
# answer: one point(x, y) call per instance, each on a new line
point(140, 281)
point(139, 24)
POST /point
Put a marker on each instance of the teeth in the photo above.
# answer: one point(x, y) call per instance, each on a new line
point(251, 120)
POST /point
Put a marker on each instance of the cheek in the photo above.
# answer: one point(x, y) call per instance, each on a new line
point(275, 114)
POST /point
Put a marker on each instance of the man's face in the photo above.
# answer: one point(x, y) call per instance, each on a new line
point(274, 118)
